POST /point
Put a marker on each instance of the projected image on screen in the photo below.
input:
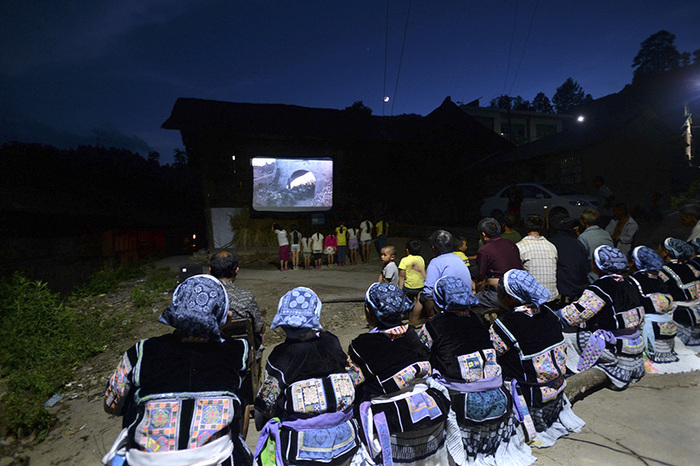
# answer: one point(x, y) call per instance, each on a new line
point(292, 185)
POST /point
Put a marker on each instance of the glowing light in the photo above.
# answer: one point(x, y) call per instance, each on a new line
point(194, 236)
point(580, 118)
point(233, 157)
point(386, 98)
point(262, 161)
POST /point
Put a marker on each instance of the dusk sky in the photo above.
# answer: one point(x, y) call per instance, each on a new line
point(70, 70)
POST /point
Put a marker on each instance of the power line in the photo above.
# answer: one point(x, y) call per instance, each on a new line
point(510, 50)
point(386, 52)
point(403, 45)
point(527, 38)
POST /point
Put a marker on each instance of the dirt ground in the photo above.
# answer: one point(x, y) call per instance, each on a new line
point(654, 422)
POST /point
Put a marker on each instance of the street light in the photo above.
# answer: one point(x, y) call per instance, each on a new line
point(580, 118)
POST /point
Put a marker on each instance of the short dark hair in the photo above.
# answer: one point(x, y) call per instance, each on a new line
point(490, 227)
point(277, 226)
point(413, 247)
point(533, 223)
point(442, 241)
point(458, 242)
point(391, 248)
point(510, 220)
point(223, 264)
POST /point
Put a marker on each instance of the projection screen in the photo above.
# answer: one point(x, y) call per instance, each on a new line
point(292, 184)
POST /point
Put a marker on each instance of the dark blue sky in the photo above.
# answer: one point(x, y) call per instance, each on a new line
point(75, 71)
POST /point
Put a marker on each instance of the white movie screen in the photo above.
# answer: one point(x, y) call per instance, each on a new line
point(292, 185)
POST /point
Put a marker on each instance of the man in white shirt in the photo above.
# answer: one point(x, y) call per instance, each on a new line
point(539, 256)
point(622, 228)
point(690, 217)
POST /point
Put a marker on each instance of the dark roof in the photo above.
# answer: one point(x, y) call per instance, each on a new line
point(278, 120)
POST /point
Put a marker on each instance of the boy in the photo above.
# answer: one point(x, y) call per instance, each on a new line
point(390, 274)
point(461, 248)
point(412, 276)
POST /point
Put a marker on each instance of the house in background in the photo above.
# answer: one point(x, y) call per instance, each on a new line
point(518, 126)
point(411, 168)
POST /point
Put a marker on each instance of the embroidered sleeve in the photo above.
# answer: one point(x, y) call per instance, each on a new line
point(269, 393)
point(578, 312)
point(118, 387)
point(500, 344)
point(355, 372)
point(424, 337)
point(663, 303)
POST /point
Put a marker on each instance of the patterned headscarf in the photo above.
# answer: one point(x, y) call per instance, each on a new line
point(387, 303)
point(647, 259)
point(299, 308)
point(679, 249)
point(522, 286)
point(453, 293)
point(610, 259)
point(199, 307)
point(696, 244)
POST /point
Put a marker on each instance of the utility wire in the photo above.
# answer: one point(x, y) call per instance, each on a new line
point(527, 38)
point(403, 45)
point(386, 52)
point(510, 50)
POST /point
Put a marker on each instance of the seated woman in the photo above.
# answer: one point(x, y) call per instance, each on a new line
point(683, 281)
point(532, 352)
point(177, 392)
point(308, 393)
point(659, 330)
point(403, 410)
point(608, 319)
point(464, 361)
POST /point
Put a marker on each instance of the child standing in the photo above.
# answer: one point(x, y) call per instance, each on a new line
point(390, 274)
point(306, 250)
point(283, 244)
point(295, 236)
point(317, 248)
point(341, 233)
point(330, 246)
point(412, 276)
point(365, 239)
point(353, 244)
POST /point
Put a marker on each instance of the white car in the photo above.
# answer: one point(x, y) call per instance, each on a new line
point(535, 197)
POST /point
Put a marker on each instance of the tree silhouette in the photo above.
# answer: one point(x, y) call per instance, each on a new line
point(180, 157)
point(506, 102)
point(657, 54)
point(542, 104)
point(568, 96)
point(359, 107)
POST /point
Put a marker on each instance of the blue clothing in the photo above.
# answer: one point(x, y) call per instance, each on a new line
point(447, 264)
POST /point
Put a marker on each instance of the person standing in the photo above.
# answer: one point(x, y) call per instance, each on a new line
point(341, 234)
point(605, 198)
point(283, 243)
point(317, 248)
point(539, 256)
point(382, 234)
point(353, 244)
point(365, 239)
point(295, 236)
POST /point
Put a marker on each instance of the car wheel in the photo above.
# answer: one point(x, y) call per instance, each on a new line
point(558, 212)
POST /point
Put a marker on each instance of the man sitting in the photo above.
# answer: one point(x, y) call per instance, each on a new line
point(539, 256)
point(496, 257)
point(622, 228)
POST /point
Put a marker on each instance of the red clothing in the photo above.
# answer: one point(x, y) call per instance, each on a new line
point(330, 241)
point(496, 257)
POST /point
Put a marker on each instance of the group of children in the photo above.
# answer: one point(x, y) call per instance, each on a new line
point(341, 241)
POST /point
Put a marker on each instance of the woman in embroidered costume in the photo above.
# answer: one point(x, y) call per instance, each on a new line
point(308, 392)
point(532, 352)
point(683, 281)
point(403, 411)
point(608, 318)
point(659, 329)
point(464, 361)
point(177, 392)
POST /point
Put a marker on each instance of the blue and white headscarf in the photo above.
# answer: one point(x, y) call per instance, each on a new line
point(696, 244)
point(387, 303)
point(679, 249)
point(299, 308)
point(453, 293)
point(647, 259)
point(610, 259)
point(522, 286)
point(199, 307)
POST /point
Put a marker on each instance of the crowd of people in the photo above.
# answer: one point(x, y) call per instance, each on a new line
point(432, 382)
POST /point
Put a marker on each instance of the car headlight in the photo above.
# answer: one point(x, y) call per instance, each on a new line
point(579, 203)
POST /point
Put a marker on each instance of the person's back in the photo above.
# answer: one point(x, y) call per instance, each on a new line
point(193, 374)
point(539, 256)
point(572, 266)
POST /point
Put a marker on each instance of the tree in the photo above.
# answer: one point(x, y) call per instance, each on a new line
point(568, 96)
point(657, 54)
point(542, 104)
point(360, 108)
point(180, 157)
point(506, 102)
